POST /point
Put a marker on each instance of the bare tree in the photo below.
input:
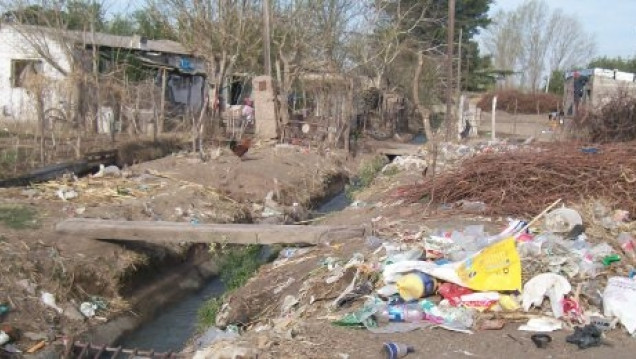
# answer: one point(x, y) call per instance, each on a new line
point(384, 39)
point(570, 46)
point(503, 39)
point(534, 40)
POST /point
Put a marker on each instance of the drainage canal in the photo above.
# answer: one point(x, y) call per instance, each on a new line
point(171, 329)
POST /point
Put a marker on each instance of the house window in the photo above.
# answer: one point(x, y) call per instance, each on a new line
point(20, 69)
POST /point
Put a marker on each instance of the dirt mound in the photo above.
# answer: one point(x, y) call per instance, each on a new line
point(524, 182)
point(514, 101)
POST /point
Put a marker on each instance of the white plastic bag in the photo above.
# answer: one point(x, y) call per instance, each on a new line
point(49, 300)
point(549, 285)
point(619, 300)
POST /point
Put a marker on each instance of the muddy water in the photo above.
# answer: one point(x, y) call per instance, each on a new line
point(335, 204)
point(172, 328)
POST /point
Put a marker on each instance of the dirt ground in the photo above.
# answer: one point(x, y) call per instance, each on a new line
point(520, 126)
point(307, 332)
point(223, 189)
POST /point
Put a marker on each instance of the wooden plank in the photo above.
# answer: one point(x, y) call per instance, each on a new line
point(177, 232)
point(405, 150)
point(395, 148)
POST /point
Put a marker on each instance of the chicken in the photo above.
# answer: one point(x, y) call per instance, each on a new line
point(240, 149)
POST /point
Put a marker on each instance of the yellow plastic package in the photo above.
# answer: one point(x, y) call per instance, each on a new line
point(495, 268)
point(508, 303)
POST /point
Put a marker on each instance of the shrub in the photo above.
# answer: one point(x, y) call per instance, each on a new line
point(525, 103)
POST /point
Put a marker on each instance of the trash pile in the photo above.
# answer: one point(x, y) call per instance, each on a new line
point(546, 273)
point(452, 154)
point(405, 163)
point(524, 182)
point(14, 340)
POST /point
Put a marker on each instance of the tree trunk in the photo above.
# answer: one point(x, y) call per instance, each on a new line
point(39, 102)
point(424, 112)
point(431, 138)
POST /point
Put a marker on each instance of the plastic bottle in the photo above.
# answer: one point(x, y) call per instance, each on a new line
point(400, 313)
point(396, 350)
point(588, 267)
point(416, 285)
point(626, 242)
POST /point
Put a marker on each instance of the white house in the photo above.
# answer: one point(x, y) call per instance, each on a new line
point(51, 52)
point(17, 57)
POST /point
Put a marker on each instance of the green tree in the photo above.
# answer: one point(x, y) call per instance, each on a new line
point(146, 22)
point(121, 25)
point(32, 15)
point(153, 24)
point(614, 63)
point(82, 14)
point(477, 74)
point(470, 16)
point(557, 82)
point(74, 15)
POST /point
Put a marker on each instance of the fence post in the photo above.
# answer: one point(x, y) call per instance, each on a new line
point(492, 123)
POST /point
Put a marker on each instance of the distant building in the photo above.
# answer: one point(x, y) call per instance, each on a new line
point(592, 88)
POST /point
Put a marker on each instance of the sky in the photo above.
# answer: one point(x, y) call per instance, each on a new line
point(612, 22)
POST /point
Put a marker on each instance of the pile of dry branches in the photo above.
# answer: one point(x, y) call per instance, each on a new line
point(524, 182)
point(615, 121)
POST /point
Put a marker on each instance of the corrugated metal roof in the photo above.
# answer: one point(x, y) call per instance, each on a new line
point(109, 40)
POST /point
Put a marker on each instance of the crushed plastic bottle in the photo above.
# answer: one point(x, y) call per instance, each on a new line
point(456, 317)
point(400, 313)
point(627, 243)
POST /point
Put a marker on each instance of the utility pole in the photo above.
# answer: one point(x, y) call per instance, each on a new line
point(450, 27)
point(266, 40)
point(459, 63)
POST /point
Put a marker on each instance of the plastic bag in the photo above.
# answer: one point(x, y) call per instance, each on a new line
point(552, 285)
point(495, 268)
point(619, 300)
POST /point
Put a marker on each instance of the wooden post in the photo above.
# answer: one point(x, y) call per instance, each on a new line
point(514, 122)
point(450, 29)
point(162, 114)
point(459, 63)
point(492, 123)
point(460, 116)
point(266, 39)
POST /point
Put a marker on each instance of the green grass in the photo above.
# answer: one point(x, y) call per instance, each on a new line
point(366, 174)
point(206, 315)
point(18, 217)
point(237, 266)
